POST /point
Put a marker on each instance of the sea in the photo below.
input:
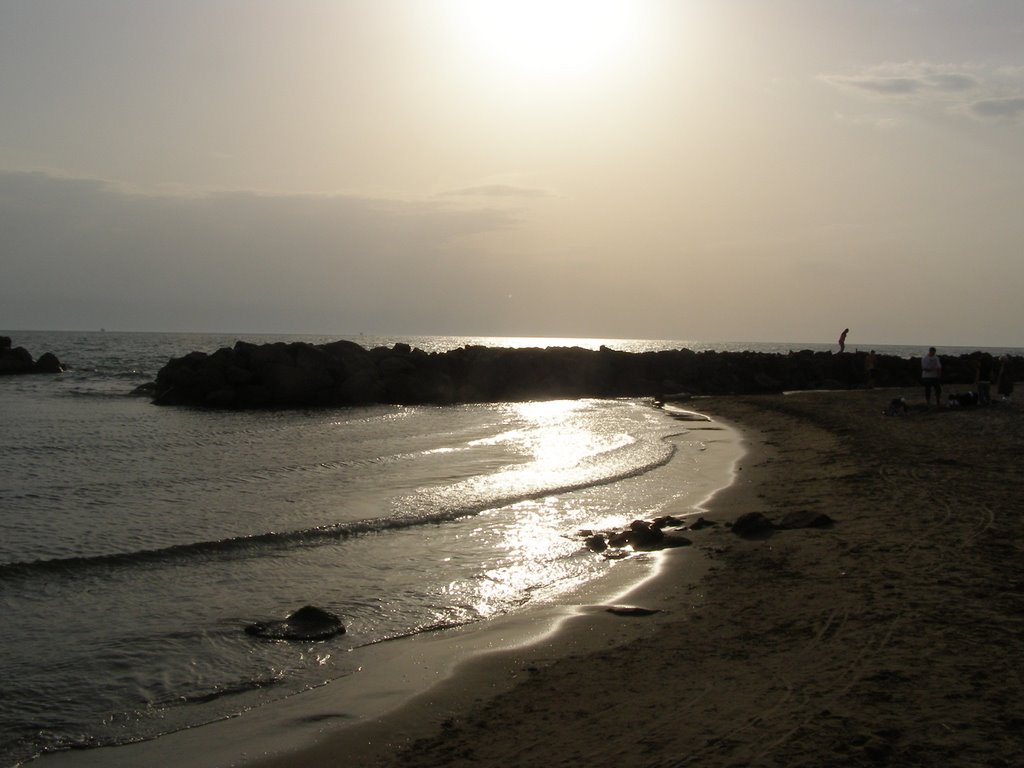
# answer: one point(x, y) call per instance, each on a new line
point(139, 541)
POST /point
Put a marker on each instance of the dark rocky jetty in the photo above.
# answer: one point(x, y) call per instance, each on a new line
point(298, 374)
point(19, 360)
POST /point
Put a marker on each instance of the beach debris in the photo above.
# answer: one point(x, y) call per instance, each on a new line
point(307, 623)
point(631, 610)
point(754, 525)
point(804, 518)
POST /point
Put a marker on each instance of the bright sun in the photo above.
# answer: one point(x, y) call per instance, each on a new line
point(547, 38)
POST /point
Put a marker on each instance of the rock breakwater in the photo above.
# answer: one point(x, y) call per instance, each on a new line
point(298, 374)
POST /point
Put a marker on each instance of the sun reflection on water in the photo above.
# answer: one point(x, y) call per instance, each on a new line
point(556, 443)
point(536, 497)
point(534, 554)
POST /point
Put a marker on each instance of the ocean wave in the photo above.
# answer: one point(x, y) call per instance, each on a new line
point(207, 480)
point(99, 394)
point(55, 742)
point(58, 742)
point(258, 543)
point(233, 689)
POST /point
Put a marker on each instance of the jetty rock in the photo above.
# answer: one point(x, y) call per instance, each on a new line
point(639, 536)
point(307, 623)
point(19, 360)
point(299, 374)
point(753, 525)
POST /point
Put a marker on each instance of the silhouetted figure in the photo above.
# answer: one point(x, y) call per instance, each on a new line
point(842, 339)
point(869, 369)
point(1004, 382)
point(931, 376)
point(983, 379)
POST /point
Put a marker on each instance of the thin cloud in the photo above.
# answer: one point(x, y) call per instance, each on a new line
point(952, 82)
point(884, 85)
point(984, 93)
point(1009, 108)
point(907, 80)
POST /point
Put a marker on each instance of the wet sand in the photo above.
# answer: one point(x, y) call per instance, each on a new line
point(894, 637)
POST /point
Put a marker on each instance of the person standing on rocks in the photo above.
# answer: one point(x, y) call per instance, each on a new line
point(931, 376)
point(842, 339)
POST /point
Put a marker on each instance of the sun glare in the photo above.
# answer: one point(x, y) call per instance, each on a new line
point(547, 38)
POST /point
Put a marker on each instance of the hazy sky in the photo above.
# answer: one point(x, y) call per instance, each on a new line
point(684, 169)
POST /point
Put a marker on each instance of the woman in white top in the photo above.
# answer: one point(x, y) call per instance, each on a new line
point(931, 376)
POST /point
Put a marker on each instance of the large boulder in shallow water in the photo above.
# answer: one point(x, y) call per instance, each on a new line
point(48, 363)
point(19, 360)
point(642, 536)
point(307, 623)
point(645, 536)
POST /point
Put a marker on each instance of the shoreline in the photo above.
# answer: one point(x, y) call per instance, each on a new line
point(585, 628)
point(400, 680)
point(893, 637)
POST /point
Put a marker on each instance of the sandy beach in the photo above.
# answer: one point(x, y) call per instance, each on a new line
point(893, 637)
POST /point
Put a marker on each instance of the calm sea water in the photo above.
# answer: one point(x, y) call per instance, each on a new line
point(138, 541)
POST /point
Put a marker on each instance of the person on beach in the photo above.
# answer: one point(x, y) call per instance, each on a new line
point(842, 339)
point(1004, 381)
point(869, 369)
point(983, 379)
point(931, 376)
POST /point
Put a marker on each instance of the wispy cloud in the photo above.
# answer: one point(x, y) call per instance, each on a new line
point(972, 89)
point(908, 79)
point(885, 85)
point(1011, 108)
point(951, 81)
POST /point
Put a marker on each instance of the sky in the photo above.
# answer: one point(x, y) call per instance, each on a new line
point(715, 170)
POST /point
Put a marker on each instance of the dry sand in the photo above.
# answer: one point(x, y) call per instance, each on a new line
point(895, 637)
